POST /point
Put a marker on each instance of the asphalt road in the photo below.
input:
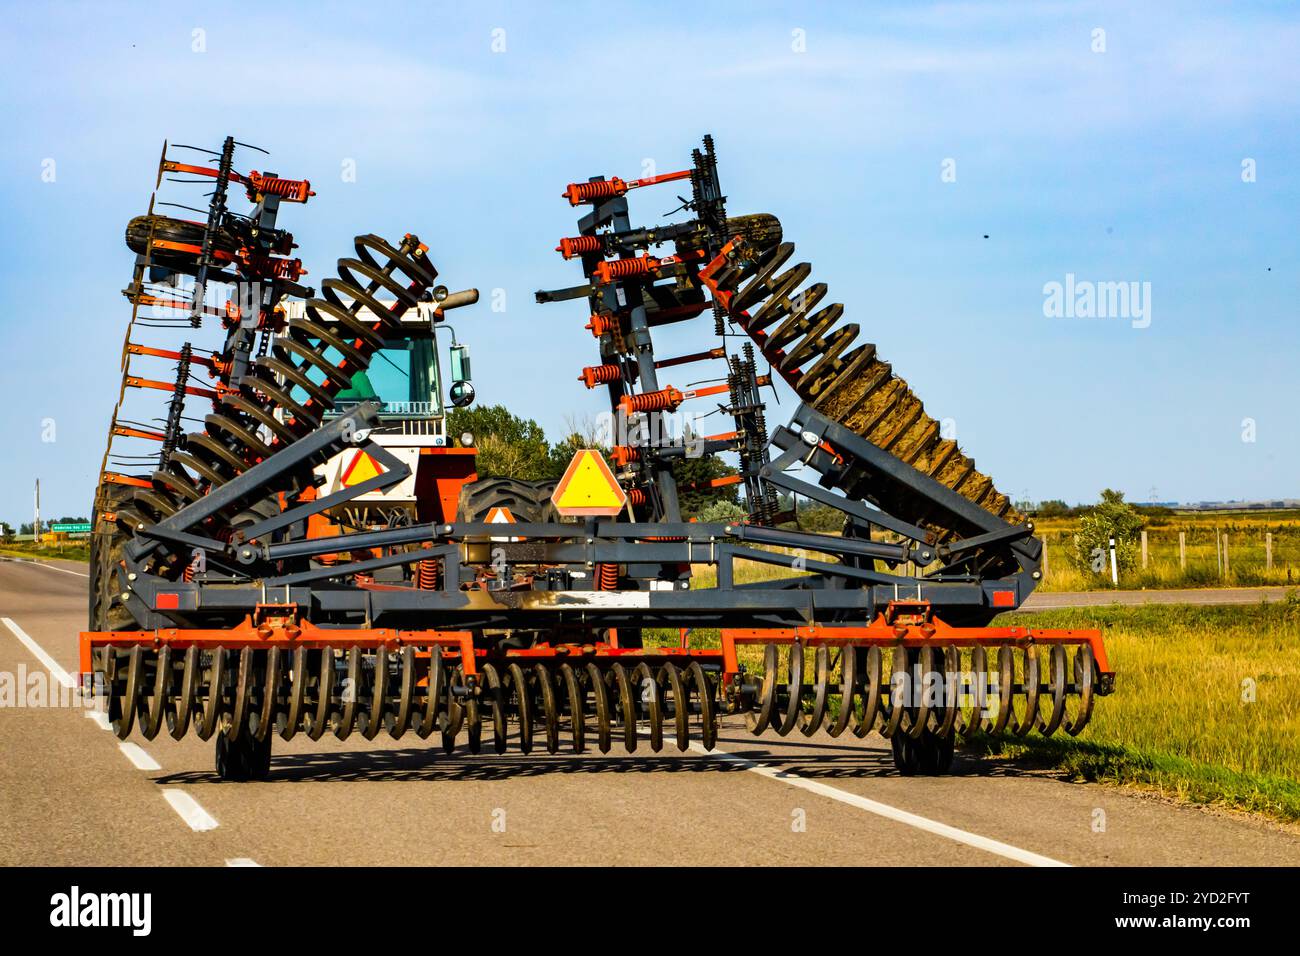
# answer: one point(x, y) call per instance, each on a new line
point(71, 795)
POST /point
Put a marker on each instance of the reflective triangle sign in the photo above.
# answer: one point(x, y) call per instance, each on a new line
point(500, 516)
point(588, 488)
point(361, 468)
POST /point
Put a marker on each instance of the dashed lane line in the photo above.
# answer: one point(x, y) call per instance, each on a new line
point(885, 810)
point(25, 639)
point(42, 564)
point(242, 861)
point(137, 755)
point(189, 810)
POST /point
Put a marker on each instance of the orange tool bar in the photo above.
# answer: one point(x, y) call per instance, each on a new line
point(693, 357)
point(167, 354)
point(578, 193)
point(290, 190)
point(667, 399)
point(126, 432)
point(171, 386)
point(186, 305)
point(113, 478)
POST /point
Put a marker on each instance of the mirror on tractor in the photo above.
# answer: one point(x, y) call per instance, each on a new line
point(461, 392)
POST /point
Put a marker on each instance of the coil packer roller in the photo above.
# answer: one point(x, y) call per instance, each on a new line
point(290, 630)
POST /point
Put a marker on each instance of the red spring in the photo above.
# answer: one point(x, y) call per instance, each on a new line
point(293, 190)
point(636, 496)
point(662, 400)
point(578, 245)
point(606, 577)
point(621, 268)
point(600, 324)
point(426, 574)
point(595, 375)
point(578, 193)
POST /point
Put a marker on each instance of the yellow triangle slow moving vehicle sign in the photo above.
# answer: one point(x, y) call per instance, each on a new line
point(361, 468)
point(588, 488)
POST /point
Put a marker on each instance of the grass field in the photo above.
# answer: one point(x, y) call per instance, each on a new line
point(1206, 707)
point(71, 551)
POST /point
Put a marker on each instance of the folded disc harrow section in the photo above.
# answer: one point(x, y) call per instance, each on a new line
point(233, 597)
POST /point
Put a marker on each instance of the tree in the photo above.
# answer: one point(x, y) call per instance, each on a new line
point(508, 446)
point(1090, 549)
point(1053, 508)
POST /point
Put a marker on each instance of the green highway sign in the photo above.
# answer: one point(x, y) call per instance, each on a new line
point(72, 527)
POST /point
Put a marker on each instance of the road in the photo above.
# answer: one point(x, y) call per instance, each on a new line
point(1052, 600)
point(71, 795)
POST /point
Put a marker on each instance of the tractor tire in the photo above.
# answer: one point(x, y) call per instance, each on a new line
point(929, 755)
point(243, 759)
point(106, 612)
point(528, 501)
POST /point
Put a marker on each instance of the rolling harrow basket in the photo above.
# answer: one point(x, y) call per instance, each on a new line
point(229, 601)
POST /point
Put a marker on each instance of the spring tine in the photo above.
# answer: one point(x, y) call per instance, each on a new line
point(649, 696)
point(794, 690)
point(971, 718)
point(372, 719)
point(550, 714)
point(923, 691)
point(399, 722)
point(1057, 683)
point(319, 722)
point(270, 694)
point(434, 688)
point(297, 693)
point(760, 721)
point(708, 719)
point(848, 684)
point(496, 697)
point(152, 718)
point(1084, 669)
point(812, 722)
point(946, 713)
point(577, 702)
point(601, 701)
point(681, 712)
point(898, 678)
point(1005, 692)
point(345, 718)
point(178, 722)
point(870, 692)
point(627, 705)
point(1030, 685)
point(122, 726)
point(519, 685)
point(454, 719)
point(216, 691)
point(243, 691)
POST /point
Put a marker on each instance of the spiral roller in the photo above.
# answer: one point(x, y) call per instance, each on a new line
point(845, 381)
point(315, 691)
point(933, 690)
point(298, 377)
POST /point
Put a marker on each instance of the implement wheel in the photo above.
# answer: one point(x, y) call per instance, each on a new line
point(244, 758)
point(106, 612)
point(928, 755)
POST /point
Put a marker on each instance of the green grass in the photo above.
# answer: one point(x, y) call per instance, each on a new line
point(73, 551)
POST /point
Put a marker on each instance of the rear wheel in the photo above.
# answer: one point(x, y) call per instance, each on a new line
point(244, 758)
point(527, 501)
point(107, 540)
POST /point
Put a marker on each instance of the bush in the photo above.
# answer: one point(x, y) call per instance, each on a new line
point(1090, 550)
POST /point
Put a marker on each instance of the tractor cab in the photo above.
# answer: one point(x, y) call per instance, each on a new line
point(405, 376)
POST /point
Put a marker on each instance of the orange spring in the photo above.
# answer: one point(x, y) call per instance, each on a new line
point(188, 574)
point(578, 245)
point(578, 193)
point(427, 574)
point(595, 375)
point(664, 399)
point(624, 455)
point(621, 268)
point(636, 496)
point(294, 190)
point(606, 577)
point(600, 324)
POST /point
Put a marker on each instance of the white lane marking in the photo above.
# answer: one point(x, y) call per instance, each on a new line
point(189, 810)
point(242, 861)
point(42, 564)
point(137, 755)
point(100, 718)
point(885, 810)
point(60, 675)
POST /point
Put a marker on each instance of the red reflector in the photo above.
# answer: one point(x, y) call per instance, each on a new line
point(168, 601)
point(1000, 599)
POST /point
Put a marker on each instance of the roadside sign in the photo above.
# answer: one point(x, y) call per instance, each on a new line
point(72, 527)
point(361, 468)
point(588, 488)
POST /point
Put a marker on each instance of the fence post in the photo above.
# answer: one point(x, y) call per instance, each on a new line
point(1182, 550)
point(1268, 550)
point(1144, 549)
point(1044, 556)
point(1225, 554)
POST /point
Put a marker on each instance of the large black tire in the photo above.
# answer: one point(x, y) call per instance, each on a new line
point(244, 758)
point(106, 611)
point(527, 500)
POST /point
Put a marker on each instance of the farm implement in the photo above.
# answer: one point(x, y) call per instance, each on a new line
point(315, 554)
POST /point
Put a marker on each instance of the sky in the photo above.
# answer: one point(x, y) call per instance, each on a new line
point(941, 165)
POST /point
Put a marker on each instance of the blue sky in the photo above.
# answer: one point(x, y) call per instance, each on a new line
point(1122, 165)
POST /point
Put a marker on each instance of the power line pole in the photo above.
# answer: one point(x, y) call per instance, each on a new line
point(36, 523)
